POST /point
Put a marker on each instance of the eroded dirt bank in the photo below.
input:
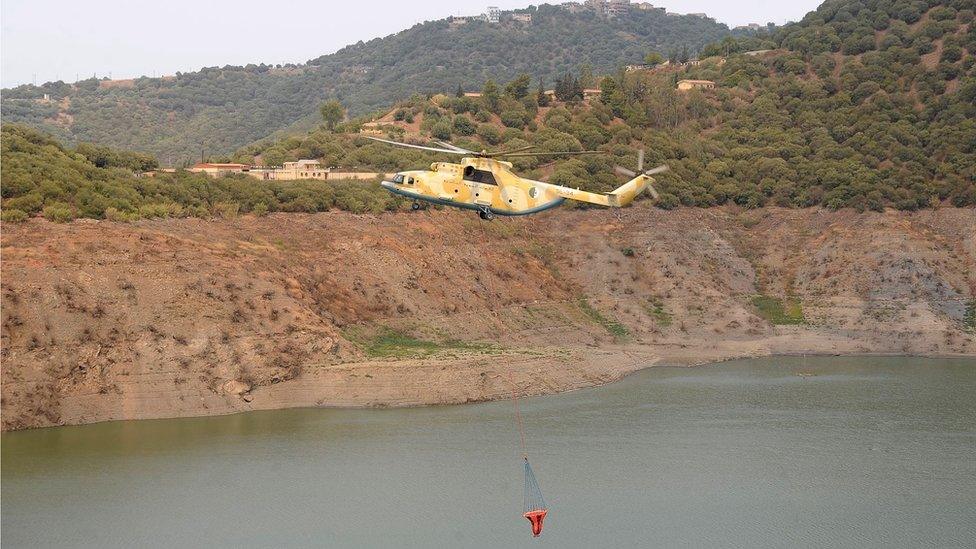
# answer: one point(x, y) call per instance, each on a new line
point(189, 317)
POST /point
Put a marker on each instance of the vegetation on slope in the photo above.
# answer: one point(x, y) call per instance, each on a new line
point(42, 177)
point(893, 126)
point(804, 124)
point(219, 109)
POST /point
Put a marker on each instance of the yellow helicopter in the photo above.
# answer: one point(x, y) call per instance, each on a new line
point(482, 183)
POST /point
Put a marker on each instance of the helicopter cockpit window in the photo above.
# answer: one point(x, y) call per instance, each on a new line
point(398, 178)
point(479, 176)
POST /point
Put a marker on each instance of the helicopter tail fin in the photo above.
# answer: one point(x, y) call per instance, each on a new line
point(626, 193)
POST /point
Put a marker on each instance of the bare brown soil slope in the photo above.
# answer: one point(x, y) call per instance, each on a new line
point(188, 317)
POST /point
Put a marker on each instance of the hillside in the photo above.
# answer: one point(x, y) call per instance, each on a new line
point(42, 177)
point(219, 109)
point(180, 317)
point(862, 104)
point(812, 121)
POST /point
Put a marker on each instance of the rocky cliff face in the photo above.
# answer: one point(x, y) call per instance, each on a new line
point(188, 317)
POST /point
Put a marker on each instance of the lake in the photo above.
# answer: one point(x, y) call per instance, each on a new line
point(865, 452)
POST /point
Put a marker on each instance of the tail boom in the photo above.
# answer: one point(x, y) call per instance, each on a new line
point(618, 198)
point(626, 193)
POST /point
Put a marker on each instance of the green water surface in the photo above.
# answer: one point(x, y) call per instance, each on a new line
point(867, 452)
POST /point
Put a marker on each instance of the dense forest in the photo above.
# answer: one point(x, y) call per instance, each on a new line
point(864, 104)
point(216, 110)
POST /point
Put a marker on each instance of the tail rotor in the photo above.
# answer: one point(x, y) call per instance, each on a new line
point(640, 170)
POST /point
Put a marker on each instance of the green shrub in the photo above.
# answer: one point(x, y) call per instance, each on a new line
point(226, 210)
point(655, 308)
point(775, 311)
point(13, 216)
point(121, 216)
point(58, 213)
point(441, 130)
point(489, 134)
point(30, 203)
point(151, 211)
point(463, 125)
point(514, 119)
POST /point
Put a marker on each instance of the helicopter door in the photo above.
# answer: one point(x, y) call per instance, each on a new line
point(484, 185)
point(483, 194)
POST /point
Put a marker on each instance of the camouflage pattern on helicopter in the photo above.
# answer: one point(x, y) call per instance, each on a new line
point(482, 183)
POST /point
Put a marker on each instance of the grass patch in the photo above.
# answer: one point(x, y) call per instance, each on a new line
point(386, 342)
point(969, 317)
point(777, 311)
point(615, 328)
point(656, 309)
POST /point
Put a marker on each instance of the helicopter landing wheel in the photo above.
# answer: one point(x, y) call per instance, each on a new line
point(486, 214)
point(415, 206)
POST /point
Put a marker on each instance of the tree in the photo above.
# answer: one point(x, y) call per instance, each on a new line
point(442, 129)
point(463, 125)
point(490, 95)
point(611, 94)
point(653, 58)
point(568, 88)
point(586, 75)
point(608, 87)
point(514, 118)
point(519, 87)
point(541, 97)
point(459, 92)
point(332, 113)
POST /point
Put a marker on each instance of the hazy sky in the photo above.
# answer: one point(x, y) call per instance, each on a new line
point(64, 39)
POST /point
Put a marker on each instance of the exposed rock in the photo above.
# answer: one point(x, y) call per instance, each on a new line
point(234, 387)
point(115, 321)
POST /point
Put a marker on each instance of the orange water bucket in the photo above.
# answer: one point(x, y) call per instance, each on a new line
point(536, 517)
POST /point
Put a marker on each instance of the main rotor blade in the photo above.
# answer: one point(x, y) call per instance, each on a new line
point(660, 169)
point(640, 160)
point(454, 147)
point(559, 153)
point(409, 146)
point(512, 151)
point(624, 171)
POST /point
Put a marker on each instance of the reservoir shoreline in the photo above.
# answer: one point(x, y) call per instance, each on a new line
point(599, 374)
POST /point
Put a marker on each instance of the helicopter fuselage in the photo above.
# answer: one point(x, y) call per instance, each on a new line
point(482, 184)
